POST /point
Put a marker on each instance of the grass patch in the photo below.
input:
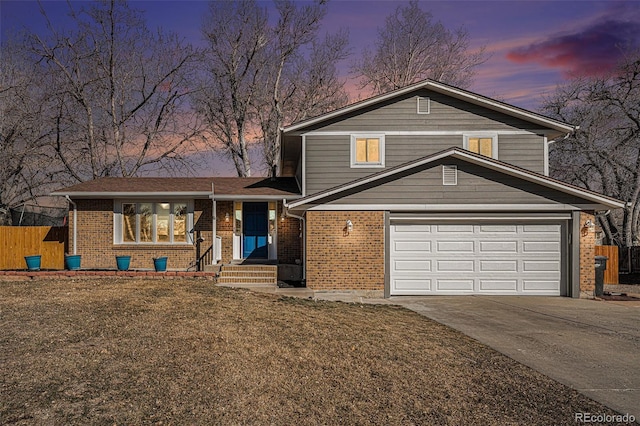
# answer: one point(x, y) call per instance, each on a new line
point(112, 351)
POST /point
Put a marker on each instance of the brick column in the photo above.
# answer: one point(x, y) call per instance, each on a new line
point(587, 256)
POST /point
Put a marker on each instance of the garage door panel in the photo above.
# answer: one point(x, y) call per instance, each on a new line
point(539, 285)
point(415, 265)
point(417, 285)
point(454, 266)
point(412, 246)
point(499, 285)
point(498, 265)
point(499, 246)
point(454, 285)
point(457, 229)
point(496, 258)
point(455, 246)
point(502, 229)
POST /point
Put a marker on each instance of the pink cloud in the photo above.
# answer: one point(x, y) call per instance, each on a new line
point(593, 50)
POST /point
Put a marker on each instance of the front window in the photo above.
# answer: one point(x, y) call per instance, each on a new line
point(154, 223)
point(483, 145)
point(367, 151)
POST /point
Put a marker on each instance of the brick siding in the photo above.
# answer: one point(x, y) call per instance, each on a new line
point(95, 237)
point(336, 261)
point(289, 238)
point(587, 256)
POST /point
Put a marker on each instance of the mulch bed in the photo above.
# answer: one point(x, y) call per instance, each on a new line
point(130, 351)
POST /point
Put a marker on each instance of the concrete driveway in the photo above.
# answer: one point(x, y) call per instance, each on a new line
point(592, 346)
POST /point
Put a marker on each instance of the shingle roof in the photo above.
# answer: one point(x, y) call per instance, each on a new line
point(195, 186)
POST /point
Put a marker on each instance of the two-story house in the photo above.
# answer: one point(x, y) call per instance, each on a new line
point(425, 190)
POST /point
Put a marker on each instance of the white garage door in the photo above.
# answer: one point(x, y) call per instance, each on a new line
point(447, 259)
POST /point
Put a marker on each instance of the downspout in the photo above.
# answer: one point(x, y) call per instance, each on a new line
point(214, 218)
point(304, 236)
point(75, 224)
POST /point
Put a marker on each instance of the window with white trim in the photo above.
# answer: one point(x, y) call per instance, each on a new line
point(153, 222)
point(367, 150)
point(486, 145)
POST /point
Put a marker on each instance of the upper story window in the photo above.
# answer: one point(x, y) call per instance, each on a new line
point(367, 151)
point(486, 145)
point(152, 223)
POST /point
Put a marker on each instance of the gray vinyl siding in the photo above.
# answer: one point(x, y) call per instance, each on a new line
point(476, 185)
point(329, 162)
point(328, 157)
point(526, 151)
point(446, 114)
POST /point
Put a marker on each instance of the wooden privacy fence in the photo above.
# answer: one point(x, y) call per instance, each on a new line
point(611, 273)
point(16, 242)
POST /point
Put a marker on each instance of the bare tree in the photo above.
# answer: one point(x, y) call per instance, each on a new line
point(604, 154)
point(260, 75)
point(26, 171)
point(236, 34)
point(412, 47)
point(298, 83)
point(120, 92)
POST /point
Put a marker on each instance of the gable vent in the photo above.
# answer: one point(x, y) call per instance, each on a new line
point(424, 105)
point(449, 175)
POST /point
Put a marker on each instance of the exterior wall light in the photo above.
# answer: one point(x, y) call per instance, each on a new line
point(589, 225)
point(349, 226)
point(226, 217)
point(282, 216)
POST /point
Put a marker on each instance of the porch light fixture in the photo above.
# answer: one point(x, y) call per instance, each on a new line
point(226, 217)
point(349, 226)
point(282, 216)
point(589, 225)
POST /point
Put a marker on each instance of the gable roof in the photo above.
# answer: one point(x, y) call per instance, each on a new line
point(446, 89)
point(472, 158)
point(204, 187)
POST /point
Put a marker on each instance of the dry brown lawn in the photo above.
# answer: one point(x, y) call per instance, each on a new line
point(109, 351)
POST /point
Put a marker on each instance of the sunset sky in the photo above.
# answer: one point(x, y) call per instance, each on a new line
point(532, 46)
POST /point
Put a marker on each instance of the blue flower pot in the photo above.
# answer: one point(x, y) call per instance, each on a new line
point(123, 262)
point(33, 262)
point(160, 263)
point(72, 262)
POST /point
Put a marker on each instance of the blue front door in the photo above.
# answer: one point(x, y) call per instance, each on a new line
point(255, 220)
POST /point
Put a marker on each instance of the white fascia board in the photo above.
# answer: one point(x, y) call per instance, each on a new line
point(424, 132)
point(445, 207)
point(251, 197)
point(136, 195)
point(447, 90)
point(481, 217)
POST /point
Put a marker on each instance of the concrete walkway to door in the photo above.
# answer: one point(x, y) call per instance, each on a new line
point(592, 346)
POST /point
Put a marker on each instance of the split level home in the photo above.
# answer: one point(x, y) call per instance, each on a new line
point(425, 190)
